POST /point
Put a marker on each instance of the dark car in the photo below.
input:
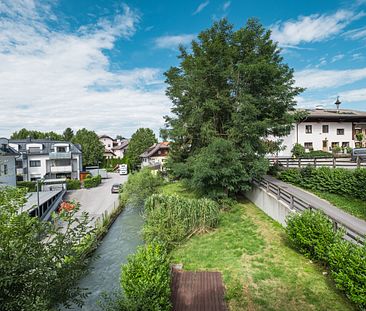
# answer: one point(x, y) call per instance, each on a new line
point(116, 188)
point(359, 153)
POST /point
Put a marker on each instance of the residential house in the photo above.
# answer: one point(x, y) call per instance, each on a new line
point(7, 164)
point(155, 156)
point(325, 129)
point(114, 148)
point(42, 158)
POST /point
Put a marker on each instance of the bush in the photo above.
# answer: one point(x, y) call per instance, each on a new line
point(312, 234)
point(30, 185)
point(348, 264)
point(317, 154)
point(73, 184)
point(298, 151)
point(334, 180)
point(139, 187)
point(91, 182)
point(146, 279)
point(171, 219)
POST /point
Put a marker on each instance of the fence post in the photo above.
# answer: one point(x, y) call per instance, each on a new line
point(299, 162)
point(278, 193)
point(335, 226)
point(334, 162)
point(358, 162)
point(314, 162)
point(287, 164)
point(292, 202)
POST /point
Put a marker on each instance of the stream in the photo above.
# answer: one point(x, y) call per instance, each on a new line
point(122, 239)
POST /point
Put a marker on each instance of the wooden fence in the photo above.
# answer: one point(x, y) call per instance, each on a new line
point(297, 204)
point(318, 162)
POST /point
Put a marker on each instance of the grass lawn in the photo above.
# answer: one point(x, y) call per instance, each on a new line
point(179, 189)
point(260, 271)
point(356, 207)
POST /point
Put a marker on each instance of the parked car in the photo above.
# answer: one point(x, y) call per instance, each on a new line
point(359, 153)
point(116, 188)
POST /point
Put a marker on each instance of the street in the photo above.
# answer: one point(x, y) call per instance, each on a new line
point(97, 200)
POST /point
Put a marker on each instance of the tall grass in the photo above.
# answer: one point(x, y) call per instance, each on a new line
point(171, 219)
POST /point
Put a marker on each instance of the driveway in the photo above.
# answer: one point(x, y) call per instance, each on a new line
point(97, 200)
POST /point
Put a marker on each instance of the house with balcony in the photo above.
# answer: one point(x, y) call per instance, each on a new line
point(41, 158)
point(7, 164)
point(114, 148)
point(326, 129)
point(155, 156)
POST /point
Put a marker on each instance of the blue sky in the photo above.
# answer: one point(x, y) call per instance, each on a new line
point(99, 64)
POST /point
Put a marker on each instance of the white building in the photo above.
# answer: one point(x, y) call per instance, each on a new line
point(155, 156)
point(113, 148)
point(47, 159)
point(325, 129)
point(7, 164)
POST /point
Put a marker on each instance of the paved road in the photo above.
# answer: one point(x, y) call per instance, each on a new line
point(334, 212)
point(97, 200)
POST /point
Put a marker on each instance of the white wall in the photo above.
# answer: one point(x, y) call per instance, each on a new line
point(107, 142)
point(37, 172)
point(10, 178)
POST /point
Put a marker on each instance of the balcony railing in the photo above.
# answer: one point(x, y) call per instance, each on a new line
point(60, 155)
point(61, 169)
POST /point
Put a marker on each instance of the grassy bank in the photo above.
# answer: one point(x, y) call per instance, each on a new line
point(260, 271)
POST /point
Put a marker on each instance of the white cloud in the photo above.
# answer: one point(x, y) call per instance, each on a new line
point(337, 58)
point(318, 79)
point(312, 28)
point(356, 34)
point(226, 5)
point(172, 42)
point(50, 79)
point(201, 7)
point(357, 56)
point(354, 95)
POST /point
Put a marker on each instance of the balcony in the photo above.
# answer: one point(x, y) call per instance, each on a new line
point(61, 169)
point(60, 155)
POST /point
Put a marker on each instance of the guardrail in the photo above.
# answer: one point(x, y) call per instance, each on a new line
point(317, 162)
point(299, 205)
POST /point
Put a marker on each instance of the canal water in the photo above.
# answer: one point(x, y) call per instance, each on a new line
point(123, 238)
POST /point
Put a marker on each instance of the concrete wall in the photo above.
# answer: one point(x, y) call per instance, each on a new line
point(269, 204)
point(8, 179)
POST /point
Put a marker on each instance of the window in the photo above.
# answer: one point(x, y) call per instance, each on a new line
point(308, 146)
point(5, 169)
point(61, 149)
point(34, 150)
point(35, 163)
point(340, 131)
point(19, 164)
point(335, 144)
point(325, 129)
point(345, 144)
point(308, 129)
point(358, 131)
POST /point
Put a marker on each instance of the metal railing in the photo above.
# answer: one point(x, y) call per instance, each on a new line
point(298, 204)
point(317, 162)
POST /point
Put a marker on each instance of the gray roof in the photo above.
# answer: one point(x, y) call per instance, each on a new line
point(6, 150)
point(149, 152)
point(47, 145)
point(333, 114)
point(123, 145)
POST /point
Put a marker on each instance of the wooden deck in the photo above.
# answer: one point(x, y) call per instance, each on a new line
point(197, 291)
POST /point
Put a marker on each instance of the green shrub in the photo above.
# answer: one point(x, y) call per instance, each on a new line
point(91, 182)
point(30, 185)
point(291, 175)
point(146, 279)
point(298, 151)
point(317, 154)
point(73, 184)
point(347, 262)
point(312, 234)
point(139, 187)
point(171, 219)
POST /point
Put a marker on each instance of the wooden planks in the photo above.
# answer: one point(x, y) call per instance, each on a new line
point(197, 291)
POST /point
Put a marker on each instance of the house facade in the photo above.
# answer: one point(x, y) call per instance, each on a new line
point(47, 159)
point(155, 156)
point(326, 129)
point(7, 164)
point(114, 148)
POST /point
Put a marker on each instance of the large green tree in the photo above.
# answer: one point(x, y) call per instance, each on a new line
point(232, 85)
point(142, 139)
point(68, 134)
point(40, 264)
point(92, 148)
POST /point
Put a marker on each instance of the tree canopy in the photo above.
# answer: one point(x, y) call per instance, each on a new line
point(24, 134)
point(68, 134)
point(142, 139)
point(231, 91)
point(92, 148)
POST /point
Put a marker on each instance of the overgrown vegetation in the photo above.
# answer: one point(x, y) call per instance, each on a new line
point(230, 92)
point(73, 184)
point(31, 186)
point(171, 219)
point(139, 187)
point(40, 264)
point(312, 234)
point(92, 181)
point(333, 180)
